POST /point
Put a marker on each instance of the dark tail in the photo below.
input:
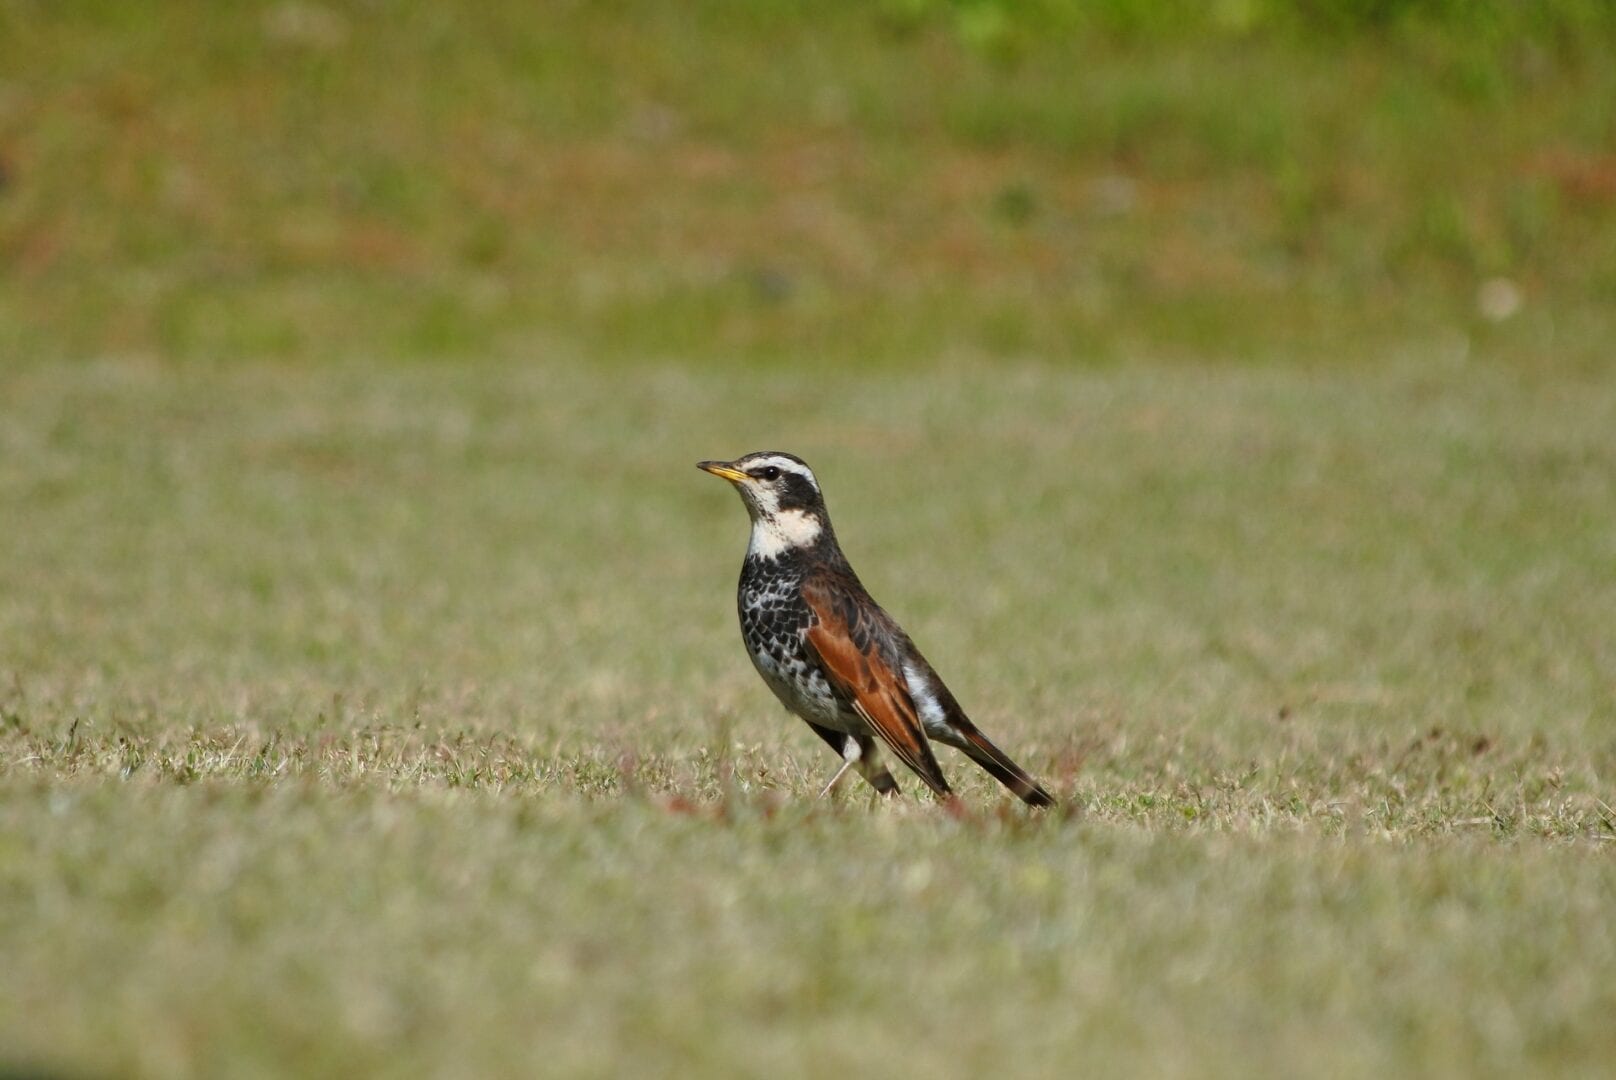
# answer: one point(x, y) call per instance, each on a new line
point(999, 766)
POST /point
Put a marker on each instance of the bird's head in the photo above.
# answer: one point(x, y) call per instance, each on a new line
point(781, 495)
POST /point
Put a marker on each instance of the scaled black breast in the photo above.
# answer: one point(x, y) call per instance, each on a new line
point(774, 623)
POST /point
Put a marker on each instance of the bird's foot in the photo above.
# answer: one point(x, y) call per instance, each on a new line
point(848, 764)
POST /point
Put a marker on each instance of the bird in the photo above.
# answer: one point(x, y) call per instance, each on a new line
point(831, 654)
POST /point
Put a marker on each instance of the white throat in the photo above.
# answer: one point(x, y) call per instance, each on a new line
point(776, 534)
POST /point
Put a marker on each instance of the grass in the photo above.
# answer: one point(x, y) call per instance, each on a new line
point(395, 720)
point(1225, 407)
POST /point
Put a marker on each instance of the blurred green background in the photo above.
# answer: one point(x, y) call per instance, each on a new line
point(871, 183)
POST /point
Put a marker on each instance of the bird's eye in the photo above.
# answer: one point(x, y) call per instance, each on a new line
point(771, 473)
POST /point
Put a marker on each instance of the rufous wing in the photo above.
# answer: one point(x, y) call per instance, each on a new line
point(850, 650)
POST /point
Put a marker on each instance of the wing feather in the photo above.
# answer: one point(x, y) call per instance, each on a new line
point(849, 647)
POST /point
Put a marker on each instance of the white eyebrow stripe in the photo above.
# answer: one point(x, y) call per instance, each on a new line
point(784, 465)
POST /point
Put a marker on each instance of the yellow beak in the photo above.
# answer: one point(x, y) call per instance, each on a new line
point(719, 468)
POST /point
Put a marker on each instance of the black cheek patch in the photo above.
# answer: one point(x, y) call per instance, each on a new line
point(797, 493)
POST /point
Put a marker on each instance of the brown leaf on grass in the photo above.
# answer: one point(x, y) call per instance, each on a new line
point(1581, 177)
point(679, 804)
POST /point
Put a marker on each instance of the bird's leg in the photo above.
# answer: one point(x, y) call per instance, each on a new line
point(851, 752)
point(836, 779)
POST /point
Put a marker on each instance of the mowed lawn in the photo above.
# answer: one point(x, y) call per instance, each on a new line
point(394, 720)
point(1220, 394)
